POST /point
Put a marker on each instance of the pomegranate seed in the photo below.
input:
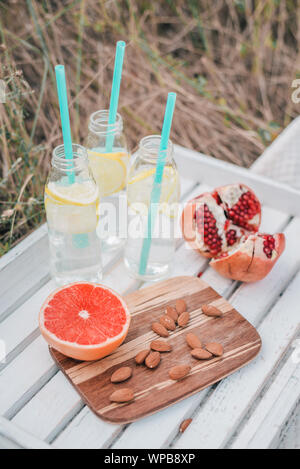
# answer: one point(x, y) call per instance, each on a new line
point(244, 210)
point(231, 237)
point(206, 224)
point(269, 245)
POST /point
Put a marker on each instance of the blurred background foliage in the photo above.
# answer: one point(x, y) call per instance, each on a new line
point(231, 62)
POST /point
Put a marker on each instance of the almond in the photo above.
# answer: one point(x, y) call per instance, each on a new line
point(183, 319)
point(153, 360)
point(179, 372)
point(160, 329)
point(210, 310)
point(184, 425)
point(180, 306)
point(193, 341)
point(121, 374)
point(161, 346)
point(141, 356)
point(201, 354)
point(171, 312)
point(215, 348)
point(168, 323)
point(122, 395)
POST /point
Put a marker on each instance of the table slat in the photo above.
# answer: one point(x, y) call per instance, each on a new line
point(25, 376)
point(21, 438)
point(204, 168)
point(58, 403)
point(21, 327)
point(23, 270)
point(95, 432)
point(291, 434)
point(262, 429)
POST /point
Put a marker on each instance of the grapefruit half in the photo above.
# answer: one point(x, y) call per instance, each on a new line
point(85, 321)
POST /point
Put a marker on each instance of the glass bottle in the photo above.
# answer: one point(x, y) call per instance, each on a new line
point(71, 202)
point(139, 187)
point(109, 158)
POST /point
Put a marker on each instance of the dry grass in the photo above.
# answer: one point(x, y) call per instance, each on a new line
point(231, 63)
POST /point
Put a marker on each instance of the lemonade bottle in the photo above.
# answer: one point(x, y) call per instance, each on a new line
point(71, 203)
point(110, 172)
point(139, 187)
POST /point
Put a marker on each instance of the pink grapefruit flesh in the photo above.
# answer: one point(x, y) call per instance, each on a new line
point(85, 321)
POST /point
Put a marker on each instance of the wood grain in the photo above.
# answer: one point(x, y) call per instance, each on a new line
point(153, 388)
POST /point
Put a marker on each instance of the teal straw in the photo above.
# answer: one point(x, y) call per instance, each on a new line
point(64, 115)
point(115, 91)
point(156, 189)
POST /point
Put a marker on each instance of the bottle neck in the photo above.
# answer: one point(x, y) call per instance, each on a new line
point(149, 148)
point(98, 123)
point(62, 163)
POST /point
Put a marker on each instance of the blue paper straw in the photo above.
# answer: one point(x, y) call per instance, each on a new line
point(64, 115)
point(156, 189)
point(115, 91)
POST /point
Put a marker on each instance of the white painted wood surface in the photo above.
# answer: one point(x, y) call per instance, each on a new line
point(277, 331)
point(38, 401)
point(263, 428)
point(291, 432)
point(20, 438)
point(270, 192)
point(23, 270)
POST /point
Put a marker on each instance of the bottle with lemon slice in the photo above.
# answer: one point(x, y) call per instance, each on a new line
point(139, 187)
point(110, 172)
point(71, 203)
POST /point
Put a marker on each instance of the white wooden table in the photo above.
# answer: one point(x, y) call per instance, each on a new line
point(250, 409)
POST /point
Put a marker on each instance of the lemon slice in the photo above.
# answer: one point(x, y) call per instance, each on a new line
point(72, 209)
point(80, 194)
point(140, 187)
point(142, 176)
point(109, 170)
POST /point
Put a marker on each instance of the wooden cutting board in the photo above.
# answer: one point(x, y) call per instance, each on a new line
point(153, 388)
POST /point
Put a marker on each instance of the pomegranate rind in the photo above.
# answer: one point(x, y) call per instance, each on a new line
point(187, 223)
point(244, 264)
point(79, 351)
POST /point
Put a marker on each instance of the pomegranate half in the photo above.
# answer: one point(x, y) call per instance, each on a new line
point(253, 259)
point(215, 222)
point(223, 225)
